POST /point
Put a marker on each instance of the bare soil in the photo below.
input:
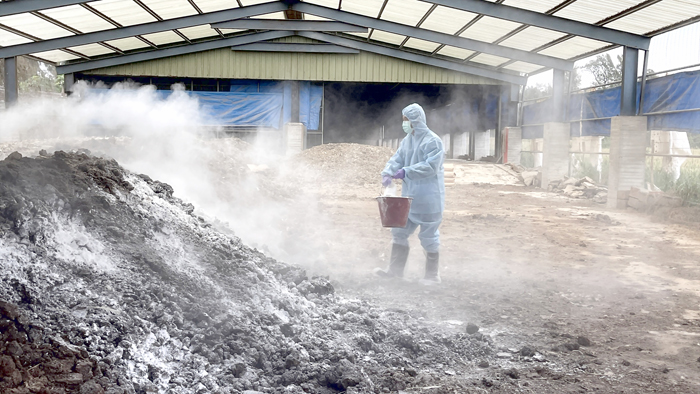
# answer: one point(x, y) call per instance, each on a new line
point(608, 300)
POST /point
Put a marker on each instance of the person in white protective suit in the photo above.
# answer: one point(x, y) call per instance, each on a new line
point(419, 162)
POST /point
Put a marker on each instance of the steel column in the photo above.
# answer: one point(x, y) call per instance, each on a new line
point(11, 92)
point(640, 110)
point(630, 62)
point(68, 82)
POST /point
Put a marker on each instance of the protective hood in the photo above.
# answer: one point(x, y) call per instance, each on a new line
point(416, 115)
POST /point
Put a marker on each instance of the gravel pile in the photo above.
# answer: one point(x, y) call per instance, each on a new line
point(109, 284)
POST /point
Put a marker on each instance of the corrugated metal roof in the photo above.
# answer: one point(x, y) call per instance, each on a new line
point(633, 16)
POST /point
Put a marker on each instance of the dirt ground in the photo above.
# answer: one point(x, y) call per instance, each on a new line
point(612, 296)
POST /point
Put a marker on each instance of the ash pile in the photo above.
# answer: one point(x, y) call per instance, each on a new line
point(109, 284)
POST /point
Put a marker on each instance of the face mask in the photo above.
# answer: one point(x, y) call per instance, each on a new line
point(407, 126)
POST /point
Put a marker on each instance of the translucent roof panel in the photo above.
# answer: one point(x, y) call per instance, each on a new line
point(390, 38)
point(491, 60)
point(592, 11)
point(127, 44)
point(164, 37)
point(252, 2)
point(310, 17)
point(447, 20)
point(534, 5)
point(422, 45)
point(124, 12)
point(326, 3)
point(363, 7)
point(35, 26)
point(531, 38)
point(274, 15)
point(573, 47)
point(407, 12)
point(7, 39)
point(168, 9)
point(55, 56)
point(363, 35)
point(202, 31)
point(455, 52)
point(657, 16)
point(92, 49)
point(523, 67)
point(216, 5)
point(78, 18)
point(489, 29)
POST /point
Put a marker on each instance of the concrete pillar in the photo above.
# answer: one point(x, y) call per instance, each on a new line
point(514, 144)
point(11, 92)
point(628, 144)
point(447, 146)
point(461, 145)
point(555, 152)
point(482, 144)
point(558, 96)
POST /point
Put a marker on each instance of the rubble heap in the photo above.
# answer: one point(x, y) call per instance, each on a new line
point(579, 188)
point(109, 284)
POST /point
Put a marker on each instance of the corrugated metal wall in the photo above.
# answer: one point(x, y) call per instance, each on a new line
point(225, 63)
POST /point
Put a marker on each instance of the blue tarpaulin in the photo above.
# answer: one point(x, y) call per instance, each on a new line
point(673, 93)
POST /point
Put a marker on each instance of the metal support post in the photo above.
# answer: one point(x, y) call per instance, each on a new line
point(628, 101)
point(11, 92)
point(68, 82)
point(640, 110)
point(295, 101)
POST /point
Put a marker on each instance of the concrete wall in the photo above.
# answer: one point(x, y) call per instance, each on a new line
point(514, 144)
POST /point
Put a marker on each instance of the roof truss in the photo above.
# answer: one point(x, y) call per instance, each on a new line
point(551, 22)
point(432, 61)
point(433, 36)
point(289, 24)
point(174, 51)
point(145, 28)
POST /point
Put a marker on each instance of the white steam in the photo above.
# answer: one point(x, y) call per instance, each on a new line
point(162, 137)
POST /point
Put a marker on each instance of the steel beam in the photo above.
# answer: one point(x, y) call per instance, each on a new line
point(179, 50)
point(551, 22)
point(630, 63)
point(294, 47)
point(433, 36)
point(399, 54)
point(18, 7)
point(11, 92)
point(145, 28)
point(289, 24)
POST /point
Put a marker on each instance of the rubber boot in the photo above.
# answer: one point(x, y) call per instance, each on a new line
point(432, 276)
point(399, 256)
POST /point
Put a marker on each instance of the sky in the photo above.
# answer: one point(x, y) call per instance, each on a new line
point(677, 48)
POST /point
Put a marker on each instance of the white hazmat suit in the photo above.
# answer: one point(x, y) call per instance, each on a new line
point(421, 155)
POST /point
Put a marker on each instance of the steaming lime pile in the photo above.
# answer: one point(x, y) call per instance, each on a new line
point(109, 284)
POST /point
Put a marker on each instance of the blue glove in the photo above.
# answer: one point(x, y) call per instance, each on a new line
point(386, 180)
point(401, 174)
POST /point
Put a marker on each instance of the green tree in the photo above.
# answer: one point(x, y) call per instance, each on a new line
point(604, 70)
point(34, 76)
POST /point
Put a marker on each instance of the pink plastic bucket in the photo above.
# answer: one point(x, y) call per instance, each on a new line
point(394, 210)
